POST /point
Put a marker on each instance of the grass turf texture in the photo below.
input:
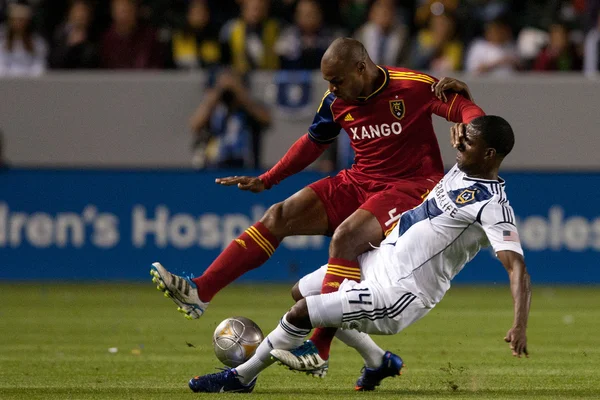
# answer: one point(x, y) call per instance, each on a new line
point(54, 342)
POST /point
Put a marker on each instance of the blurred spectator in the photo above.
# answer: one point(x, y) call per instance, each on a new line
point(592, 49)
point(529, 44)
point(429, 8)
point(22, 53)
point(302, 45)
point(437, 49)
point(496, 53)
point(285, 10)
point(197, 44)
point(354, 12)
point(228, 126)
point(473, 15)
point(383, 36)
point(129, 44)
point(249, 41)
point(560, 54)
point(73, 47)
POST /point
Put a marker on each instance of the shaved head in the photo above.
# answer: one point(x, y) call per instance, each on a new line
point(345, 51)
point(348, 69)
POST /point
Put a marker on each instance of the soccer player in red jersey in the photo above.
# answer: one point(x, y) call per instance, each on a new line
point(386, 111)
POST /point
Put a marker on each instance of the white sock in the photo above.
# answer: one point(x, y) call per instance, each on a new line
point(368, 349)
point(286, 336)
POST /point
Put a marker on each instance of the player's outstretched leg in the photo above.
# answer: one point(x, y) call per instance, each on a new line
point(249, 251)
point(179, 289)
point(301, 214)
point(327, 310)
point(243, 378)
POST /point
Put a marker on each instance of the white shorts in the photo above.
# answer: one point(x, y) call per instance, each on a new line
point(366, 306)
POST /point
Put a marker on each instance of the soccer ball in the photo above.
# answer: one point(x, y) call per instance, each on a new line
point(235, 340)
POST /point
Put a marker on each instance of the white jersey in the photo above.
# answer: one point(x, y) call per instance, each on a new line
point(432, 242)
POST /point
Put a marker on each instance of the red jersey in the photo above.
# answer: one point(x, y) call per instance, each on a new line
point(391, 130)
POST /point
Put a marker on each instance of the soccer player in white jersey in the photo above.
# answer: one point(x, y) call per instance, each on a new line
point(410, 272)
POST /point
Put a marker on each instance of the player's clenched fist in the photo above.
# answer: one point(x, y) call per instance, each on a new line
point(253, 184)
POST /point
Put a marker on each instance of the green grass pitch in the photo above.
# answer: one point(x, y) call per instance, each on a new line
point(55, 340)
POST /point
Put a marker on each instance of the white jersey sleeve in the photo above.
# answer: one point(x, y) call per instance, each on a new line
point(498, 222)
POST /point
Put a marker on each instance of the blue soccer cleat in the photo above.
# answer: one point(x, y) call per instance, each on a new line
point(372, 377)
point(221, 382)
point(304, 358)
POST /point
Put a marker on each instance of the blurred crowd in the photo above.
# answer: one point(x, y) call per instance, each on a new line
point(441, 36)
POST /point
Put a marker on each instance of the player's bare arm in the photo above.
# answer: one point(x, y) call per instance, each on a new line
point(450, 84)
point(302, 153)
point(520, 286)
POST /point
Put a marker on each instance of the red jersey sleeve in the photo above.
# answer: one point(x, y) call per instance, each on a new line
point(457, 109)
point(321, 133)
point(302, 153)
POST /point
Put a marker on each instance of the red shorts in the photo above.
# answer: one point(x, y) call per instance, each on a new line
point(343, 194)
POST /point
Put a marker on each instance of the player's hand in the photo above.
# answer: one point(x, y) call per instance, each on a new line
point(517, 338)
point(253, 184)
point(457, 135)
point(451, 84)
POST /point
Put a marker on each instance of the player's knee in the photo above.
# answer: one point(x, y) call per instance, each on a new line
point(273, 219)
point(298, 315)
point(342, 242)
point(343, 235)
point(296, 295)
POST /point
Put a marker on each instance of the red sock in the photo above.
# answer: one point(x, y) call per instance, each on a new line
point(338, 269)
point(250, 250)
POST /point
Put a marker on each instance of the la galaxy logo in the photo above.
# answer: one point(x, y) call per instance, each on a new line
point(397, 108)
point(466, 196)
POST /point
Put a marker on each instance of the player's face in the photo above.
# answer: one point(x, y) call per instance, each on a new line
point(472, 153)
point(345, 81)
